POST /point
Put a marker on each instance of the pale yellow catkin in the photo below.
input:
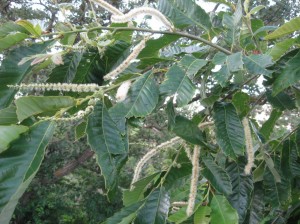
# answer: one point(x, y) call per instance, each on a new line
point(123, 90)
point(142, 11)
point(139, 47)
point(148, 156)
point(249, 146)
point(194, 181)
point(108, 7)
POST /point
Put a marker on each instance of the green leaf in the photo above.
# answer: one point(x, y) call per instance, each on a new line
point(242, 187)
point(185, 13)
point(8, 116)
point(35, 31)
point(276, 193)
point(153, 46)
point(294, 161)
point(11, 40)
point(192, 65)
point(137, 193)
point(222, 212)
point(229, 130)
point(268, 126)
point(10, 28)
point(140, 101)
point(155, 209)
point(32, 105)
point(281, 101)
point(125, 215)
point(290, 75)
point(188, 130)
point(106, 140)
point(218, 177)
point(11, 73)
point(257, 206)
point(287, 28)
point(80, 130)
point(10, 133)
point(177, 83)
point(281, 48)
point(231, 63)
point(65, 73)
point(232, 23)
point(286, 158)
point(257, 64)
point(170, 110)
point(256, 9)
point(19, 164)
point(179, 216)
point(202, 215)
point(241, 102)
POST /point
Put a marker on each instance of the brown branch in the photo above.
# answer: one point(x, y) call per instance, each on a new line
point(72, 165)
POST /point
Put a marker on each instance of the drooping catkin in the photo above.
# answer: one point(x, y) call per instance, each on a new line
point(123, 90)
point(249, 146)
point(149, 155)
point(142, 11)
point(194, 181)
point(64, 87)
point(108, 7)
point(135, 52)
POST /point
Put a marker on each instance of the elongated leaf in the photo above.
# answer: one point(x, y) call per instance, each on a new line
point(257, 64)
point(35, 31)
point(268, 126)
point(179, 216)
point(8, 116)
point(257, 205)
point(10, 28)
point(281, 101)
point(229, 130)
point(222, 212)
point(276, 193)
point(218, 177)
point(241, 102)
point(170, 110)
point(106, 140)
point(155, 209)
point(177, 83)
point(232, 23)
point(10, 133)
point(140, 101)
point(202, 215)
point(290, 75)
point(136, 194)
point(19, 164)
point(192, 65)
point(242, 187)
point(188, 130)
point(125, 215)
point(185, 13)
point(281, 48)
point(32, 105)
point(286, 158)
point(294, 161)
point(80, 130)
point(287, 28)
point(65, 73)
point(11, 40)
point(231, 63)
point(153, 46)
point(11, 73)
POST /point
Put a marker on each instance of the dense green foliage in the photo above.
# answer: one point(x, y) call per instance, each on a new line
point(198, 78)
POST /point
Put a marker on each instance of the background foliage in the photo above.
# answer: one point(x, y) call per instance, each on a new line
point(238, 61)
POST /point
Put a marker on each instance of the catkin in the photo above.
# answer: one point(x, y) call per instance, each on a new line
point(140, 11)
point(123, 90)
point(65, 87)
point(149, 155)
point(249, 146)
point(139, 47)
point(108, 7)
point(194, 181)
